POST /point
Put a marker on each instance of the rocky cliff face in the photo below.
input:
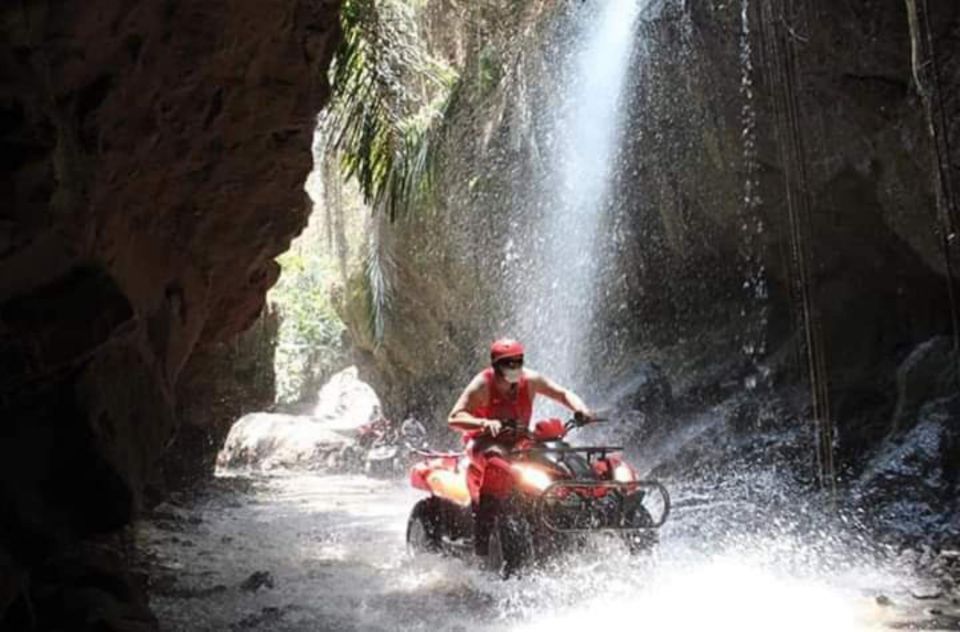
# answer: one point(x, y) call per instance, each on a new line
point(154, 158)
point(444, 265)
point(786, 193)
point(805, 202)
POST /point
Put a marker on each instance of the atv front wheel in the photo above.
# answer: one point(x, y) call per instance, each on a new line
point(424, 527)
point(644, 540)
point(511, 545)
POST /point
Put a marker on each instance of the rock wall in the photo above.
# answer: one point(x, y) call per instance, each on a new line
point(804, 200)
point(221, 382)
point(443, 263)
point(779, 177)
point(154, 158)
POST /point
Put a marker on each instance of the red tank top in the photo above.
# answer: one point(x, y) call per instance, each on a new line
point(518, 406)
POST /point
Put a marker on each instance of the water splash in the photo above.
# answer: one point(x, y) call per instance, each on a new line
point(723, 593)
point(334, 547)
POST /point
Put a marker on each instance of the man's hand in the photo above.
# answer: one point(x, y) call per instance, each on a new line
point(583, 415)
point(493, 426)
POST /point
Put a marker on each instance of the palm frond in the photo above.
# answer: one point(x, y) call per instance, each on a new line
point(385, 126)
point(378, 267)
point(384, 134)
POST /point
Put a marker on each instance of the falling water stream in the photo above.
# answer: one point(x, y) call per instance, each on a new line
point(555, 306)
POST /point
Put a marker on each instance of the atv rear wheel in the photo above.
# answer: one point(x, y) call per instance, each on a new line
point(424, 527)
point(511, 545)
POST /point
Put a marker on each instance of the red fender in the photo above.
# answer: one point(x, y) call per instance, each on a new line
point(549, 429)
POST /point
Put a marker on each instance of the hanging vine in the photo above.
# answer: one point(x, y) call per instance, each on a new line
point(926, 76)
point(780, 37)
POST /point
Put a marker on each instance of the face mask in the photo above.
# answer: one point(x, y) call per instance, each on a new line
point(512, 375)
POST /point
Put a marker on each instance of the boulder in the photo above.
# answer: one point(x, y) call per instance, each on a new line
point(346, 402)
point(639, 403)
point(268, 441)
point(930, 371)
point(150, 179)
point(911, 485)
point(646, 388)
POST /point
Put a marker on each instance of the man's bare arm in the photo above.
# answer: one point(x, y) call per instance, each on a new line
point(547, 387)
point(471, 397)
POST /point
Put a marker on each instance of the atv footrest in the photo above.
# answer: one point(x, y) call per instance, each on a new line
point(589, 506)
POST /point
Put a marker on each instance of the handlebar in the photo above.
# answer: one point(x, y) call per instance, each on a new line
point(577, 421)
point(580, 420)
point(511, 426)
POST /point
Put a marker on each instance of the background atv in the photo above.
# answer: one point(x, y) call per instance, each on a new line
point(560, 493)
point(387, 449)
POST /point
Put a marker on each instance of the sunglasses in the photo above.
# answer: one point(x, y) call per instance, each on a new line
point(511, 363)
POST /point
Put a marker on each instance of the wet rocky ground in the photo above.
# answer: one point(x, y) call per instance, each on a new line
point(306, 552)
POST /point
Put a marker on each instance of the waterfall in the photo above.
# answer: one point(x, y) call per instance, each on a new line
point(555, 303)
point(751, 220)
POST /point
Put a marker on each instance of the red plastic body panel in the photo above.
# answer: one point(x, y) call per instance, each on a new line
point(603, 468)
point(444, 475)
point(418, 476)
point(420, 472)
point(549, 429)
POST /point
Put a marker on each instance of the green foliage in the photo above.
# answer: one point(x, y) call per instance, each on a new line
point(490, 70)
point(378, 287)
point(389, 100)
point(310, 340)
point(385, 122)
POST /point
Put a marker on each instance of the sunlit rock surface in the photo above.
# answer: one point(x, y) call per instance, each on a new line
point(345, 402)
point(267, 441)
point(154, 155)
point(319, 442)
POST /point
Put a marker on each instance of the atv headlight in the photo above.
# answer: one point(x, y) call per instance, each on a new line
point(622, 473)
point(533, 476)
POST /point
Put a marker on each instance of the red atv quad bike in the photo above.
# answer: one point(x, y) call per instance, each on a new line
point(559, 494)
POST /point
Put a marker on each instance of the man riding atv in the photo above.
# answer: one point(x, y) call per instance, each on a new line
point(499, 396)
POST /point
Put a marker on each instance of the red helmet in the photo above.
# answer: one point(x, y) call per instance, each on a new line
point(505, 348)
